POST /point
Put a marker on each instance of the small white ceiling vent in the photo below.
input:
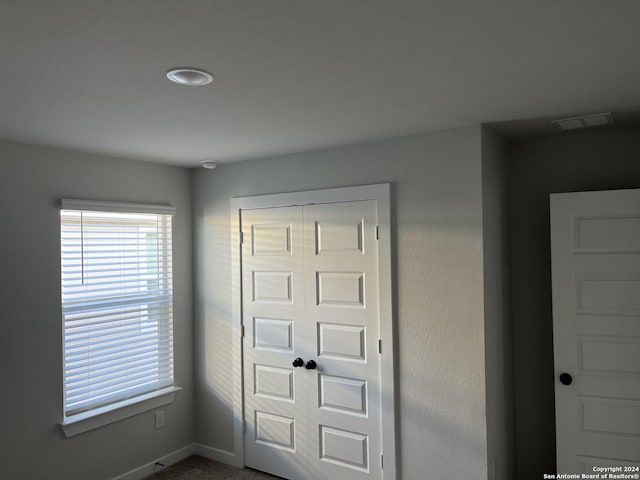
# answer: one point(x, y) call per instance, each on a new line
point(585, 121)
point(209, 164)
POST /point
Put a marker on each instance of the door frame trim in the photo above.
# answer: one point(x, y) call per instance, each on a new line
point(380, 193)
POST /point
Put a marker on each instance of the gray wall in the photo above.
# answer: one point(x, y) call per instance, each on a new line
point(437, 205)
point(497, 309)
point(603, 160)
point(32, 446)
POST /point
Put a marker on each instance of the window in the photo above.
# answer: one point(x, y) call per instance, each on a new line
point(117, 302)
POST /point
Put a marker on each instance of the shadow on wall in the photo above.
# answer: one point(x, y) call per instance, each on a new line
point(213, 332)
point(602, 160)
point(438, 286)
point(422, 386)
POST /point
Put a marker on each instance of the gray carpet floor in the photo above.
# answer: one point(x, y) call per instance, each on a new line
point(196, 467)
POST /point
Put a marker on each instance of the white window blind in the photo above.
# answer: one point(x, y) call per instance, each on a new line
point(117, 302)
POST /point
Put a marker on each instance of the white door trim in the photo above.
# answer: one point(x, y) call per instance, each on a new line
point(380, 193)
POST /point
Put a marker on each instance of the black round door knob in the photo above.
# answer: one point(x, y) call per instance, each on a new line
point(298, 362)
point(311, 365)
point(566, 378)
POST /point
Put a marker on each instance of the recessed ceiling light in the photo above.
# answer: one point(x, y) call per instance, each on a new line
point(189, 76)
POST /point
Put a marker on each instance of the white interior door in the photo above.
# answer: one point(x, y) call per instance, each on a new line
point(273, 311)
point(595, 244)
point(310, 291)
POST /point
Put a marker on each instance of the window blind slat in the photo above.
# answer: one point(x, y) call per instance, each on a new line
point(116, 272)
point(93, 305)
point(103, 382)
point(77, 205)
point(80, 359)
point(108, 389)
point(82, 379)
point(107, 368)
point(106, 351)
point(121, 394)
point(140, 387)
point(111, 320)
point(108, 384)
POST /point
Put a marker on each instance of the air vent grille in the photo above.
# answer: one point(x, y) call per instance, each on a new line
point(586, 121)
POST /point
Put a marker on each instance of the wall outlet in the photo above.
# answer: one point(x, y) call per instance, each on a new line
point(159, 419)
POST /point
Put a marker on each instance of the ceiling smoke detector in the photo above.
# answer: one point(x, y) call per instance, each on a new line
point(586, 121)
point(209, 164)
point(189, 76)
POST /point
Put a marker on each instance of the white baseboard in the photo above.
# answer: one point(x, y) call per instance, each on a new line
point(218, 455)
point(166, 460)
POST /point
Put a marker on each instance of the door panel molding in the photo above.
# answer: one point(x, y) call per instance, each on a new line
point(381, 194)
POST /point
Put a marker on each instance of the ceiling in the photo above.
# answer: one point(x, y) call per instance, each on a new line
point(296, 75)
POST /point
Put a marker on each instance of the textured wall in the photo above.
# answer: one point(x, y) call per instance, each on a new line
point(604, 160)
point(438, 255)
point(32, 446)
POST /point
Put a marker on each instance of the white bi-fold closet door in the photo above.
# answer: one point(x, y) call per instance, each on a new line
point(312, 371)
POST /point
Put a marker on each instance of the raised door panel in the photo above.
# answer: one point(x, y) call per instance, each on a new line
point(273, 382)
point(340, 289)
point(341, 342)
point(271, 239)
point(275, 431)
point(611, 233)
point(343, 395)
point(344, 238)
point(349, 450)
point(273, 335)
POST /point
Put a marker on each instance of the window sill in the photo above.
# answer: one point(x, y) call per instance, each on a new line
point(99, 417)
